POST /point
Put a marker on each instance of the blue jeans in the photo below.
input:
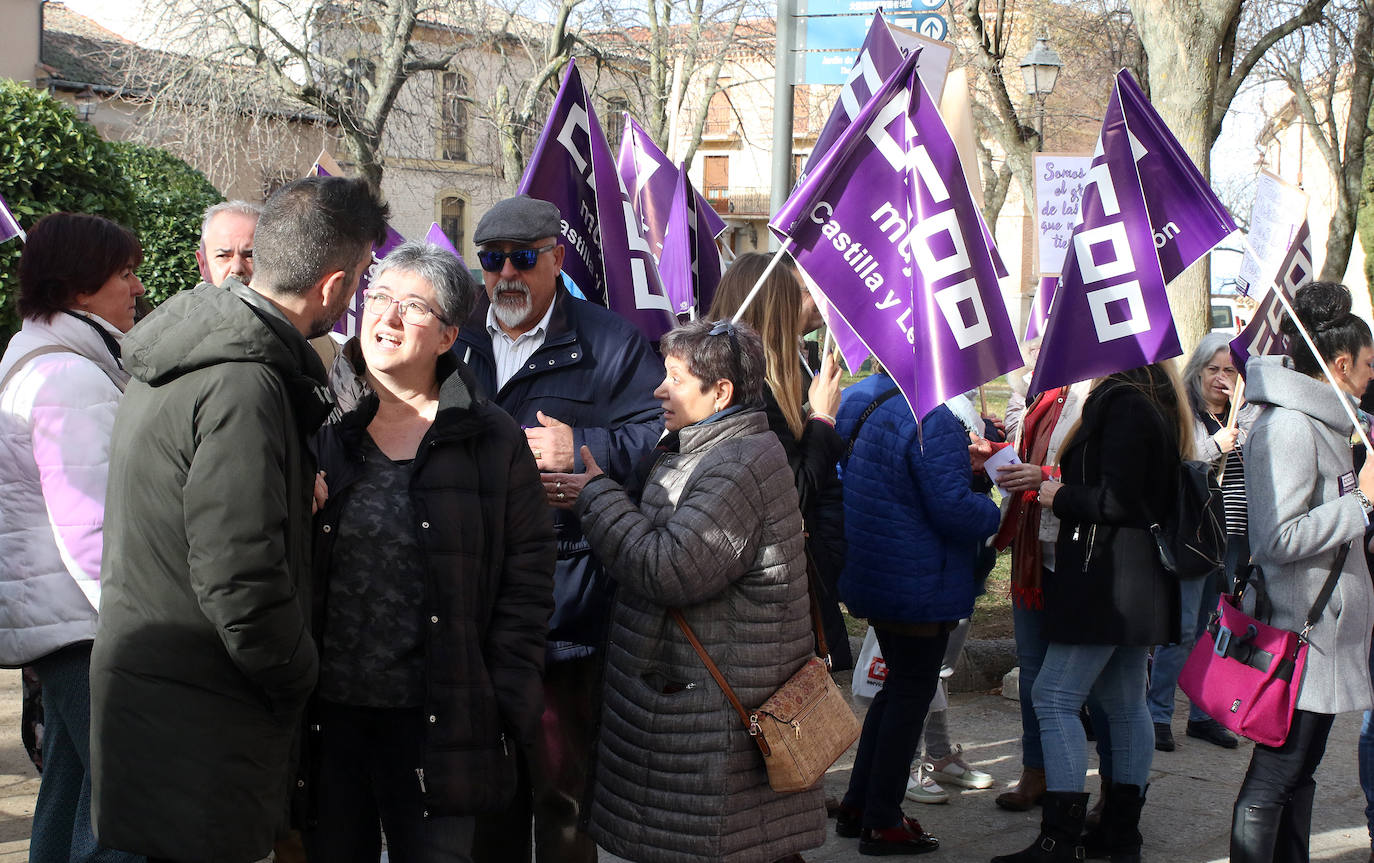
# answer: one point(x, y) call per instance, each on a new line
point(1115, 677)
point(62, 815)
point(1367, 761)
point(1030, 655)
point(892, 727)
point(1197, 599)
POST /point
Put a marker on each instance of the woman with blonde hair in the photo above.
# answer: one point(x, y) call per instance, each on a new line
point(803, 418)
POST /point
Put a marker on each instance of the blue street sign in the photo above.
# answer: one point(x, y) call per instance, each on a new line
point(931, 25)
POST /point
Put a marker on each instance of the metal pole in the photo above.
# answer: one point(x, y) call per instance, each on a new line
point(784, 61)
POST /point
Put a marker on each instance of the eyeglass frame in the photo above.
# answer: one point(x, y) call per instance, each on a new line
point(402, 304)
point(509, 255)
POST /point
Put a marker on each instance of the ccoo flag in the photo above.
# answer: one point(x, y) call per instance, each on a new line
point(1262, 337)
point(606, 256)
point(690, 263)
point(886, 227)
point(9, 226)
point(351, 323)
point(651, 179)
point(1147, 215)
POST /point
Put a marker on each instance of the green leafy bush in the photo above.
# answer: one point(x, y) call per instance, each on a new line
point(50, 161)
point(169, 199)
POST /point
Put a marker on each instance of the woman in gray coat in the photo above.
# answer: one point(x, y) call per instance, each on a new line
point(716, 534)
point(1305, 502)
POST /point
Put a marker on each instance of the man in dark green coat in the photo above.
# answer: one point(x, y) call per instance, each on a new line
point(203, 659)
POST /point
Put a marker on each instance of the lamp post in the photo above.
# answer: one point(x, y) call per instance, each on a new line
point(1040, 70)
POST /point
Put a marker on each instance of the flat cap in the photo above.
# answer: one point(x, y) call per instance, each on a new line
point(521, 219)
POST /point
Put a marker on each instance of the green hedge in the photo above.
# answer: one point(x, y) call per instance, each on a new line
point(50, 162)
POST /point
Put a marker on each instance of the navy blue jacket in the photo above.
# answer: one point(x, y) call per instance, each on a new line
point(913, 524)
point(597, 373)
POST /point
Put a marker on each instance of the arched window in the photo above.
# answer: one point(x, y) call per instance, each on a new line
point(453, 220)
point(453, 115)
point(613, 124)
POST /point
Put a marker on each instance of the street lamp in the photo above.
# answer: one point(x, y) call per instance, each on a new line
point(1040, 70)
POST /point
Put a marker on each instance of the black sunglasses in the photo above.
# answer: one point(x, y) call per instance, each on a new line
point(521, 259)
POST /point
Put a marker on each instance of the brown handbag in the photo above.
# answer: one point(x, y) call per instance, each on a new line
point(803, 727)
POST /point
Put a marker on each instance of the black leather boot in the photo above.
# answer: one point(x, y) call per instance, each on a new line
point(1061, 831)
point(1117, 837)
point(1254, 829)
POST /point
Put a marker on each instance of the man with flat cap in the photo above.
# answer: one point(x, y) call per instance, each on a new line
point(574, 374)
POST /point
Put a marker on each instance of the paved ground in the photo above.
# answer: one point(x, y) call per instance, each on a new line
point(1186, 820)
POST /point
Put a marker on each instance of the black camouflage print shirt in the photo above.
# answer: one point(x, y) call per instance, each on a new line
point(373, 650)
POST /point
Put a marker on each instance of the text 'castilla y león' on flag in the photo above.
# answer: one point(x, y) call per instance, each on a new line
point(606, 253)
point(1147, 215)
point(1262, 336)
point(886, 227)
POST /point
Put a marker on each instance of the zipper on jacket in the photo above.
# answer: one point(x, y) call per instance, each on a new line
point(504, 749)
point(420, 774)
point(1088, 555)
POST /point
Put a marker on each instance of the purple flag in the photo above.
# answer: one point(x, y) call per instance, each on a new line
point(1110, 312)
point(1261, 337)
point(9, 226)
point(650, 177)
point(437, 237)
point(690, 264)
point(1186, 218)
point(878, 58)
point(606, 255)
point(1040, 307)
point(351, 323)
point(886, 226)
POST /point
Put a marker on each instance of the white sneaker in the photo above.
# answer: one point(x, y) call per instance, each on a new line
point(955, 771)
point(920, 788)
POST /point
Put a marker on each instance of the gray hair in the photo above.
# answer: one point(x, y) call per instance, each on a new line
point(455, 290)
point(1197, 361)
point(734, 353)
point(242, 208)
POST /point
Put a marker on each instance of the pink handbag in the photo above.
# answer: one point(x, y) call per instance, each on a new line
point(1246, 673)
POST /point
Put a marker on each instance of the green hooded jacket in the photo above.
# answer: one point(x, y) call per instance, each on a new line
point(203, 659)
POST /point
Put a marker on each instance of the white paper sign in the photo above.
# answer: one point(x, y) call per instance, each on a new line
point(1059, 182)
point(1278, 212)
point(1004, 457)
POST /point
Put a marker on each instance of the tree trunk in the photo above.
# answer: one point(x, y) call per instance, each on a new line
point(1349, 175)
point(1181, 39)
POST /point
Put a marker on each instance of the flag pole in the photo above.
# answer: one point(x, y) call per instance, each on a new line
point(1236, 396)
point(754, 291)
point(1326, 370)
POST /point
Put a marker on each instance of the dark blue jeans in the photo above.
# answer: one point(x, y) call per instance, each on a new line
point(892, 727)
point(62, 816)
point(1367, 761)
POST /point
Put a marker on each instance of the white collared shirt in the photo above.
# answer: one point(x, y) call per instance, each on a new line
point(510, 354)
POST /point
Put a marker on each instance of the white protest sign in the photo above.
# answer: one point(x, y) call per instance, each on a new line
point(1059, 182)
point(1279, 210)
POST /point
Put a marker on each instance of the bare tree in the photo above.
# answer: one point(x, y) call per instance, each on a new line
point(1330, 72)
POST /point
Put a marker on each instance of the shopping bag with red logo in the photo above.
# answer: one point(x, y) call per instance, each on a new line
point(870, 672)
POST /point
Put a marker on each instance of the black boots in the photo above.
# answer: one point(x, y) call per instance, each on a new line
point(1117, 837)
point(1061, 831)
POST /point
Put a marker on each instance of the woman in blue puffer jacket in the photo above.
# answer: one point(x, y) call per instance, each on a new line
point(914, 527)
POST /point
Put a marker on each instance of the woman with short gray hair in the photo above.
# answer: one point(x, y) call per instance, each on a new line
point(433, 570)
point(715, 533)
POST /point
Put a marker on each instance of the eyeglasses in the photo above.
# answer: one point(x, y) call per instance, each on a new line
point(415, 312)
point(522, 259)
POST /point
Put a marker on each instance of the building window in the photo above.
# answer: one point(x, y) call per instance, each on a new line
point(453, 110)
point(614, 121)
point(798, 162)
point(720, 115)
point(453, 220)
point(716, 179)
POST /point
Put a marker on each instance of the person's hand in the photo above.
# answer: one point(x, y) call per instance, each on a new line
point(824, 393)
point(563, 489)
point(997, 424)
point(1019, 477)
point(321, 494)
point(552, 444)
point(979, 451)
point(1048, 489)
point(1225, 438)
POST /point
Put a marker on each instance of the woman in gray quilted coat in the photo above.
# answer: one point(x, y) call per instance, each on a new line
point(716, 533)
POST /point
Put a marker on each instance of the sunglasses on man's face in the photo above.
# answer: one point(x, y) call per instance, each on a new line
point(522, 259)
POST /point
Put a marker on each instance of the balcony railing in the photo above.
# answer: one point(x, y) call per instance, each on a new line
point(739, 202)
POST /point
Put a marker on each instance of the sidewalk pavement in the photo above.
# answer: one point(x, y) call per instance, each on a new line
point(1187, 817)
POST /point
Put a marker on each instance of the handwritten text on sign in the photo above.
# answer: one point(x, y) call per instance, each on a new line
point(1059, 181)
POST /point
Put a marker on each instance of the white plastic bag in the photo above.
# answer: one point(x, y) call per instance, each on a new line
point(870, 672)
